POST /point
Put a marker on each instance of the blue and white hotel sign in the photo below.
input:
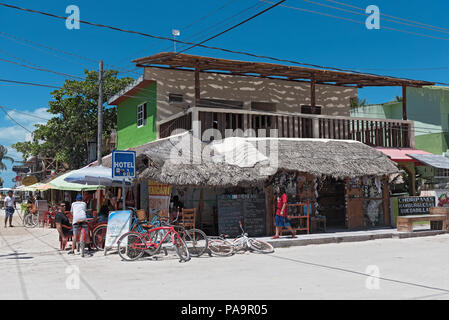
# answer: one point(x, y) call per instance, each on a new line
point(123, 164)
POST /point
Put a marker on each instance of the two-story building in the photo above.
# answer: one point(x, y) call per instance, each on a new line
point(210, 96)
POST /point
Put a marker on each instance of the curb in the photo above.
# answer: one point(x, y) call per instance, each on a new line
point(357, 238)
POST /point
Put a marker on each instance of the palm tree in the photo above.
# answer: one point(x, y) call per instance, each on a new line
point(3, 156)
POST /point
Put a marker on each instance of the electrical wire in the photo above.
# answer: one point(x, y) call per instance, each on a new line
point(234, 26)
point(41, 69)
point(184, 28)
point(29, 83)
point(359, 22)
point(199, 45)
point(390, 16)
point(366, 14)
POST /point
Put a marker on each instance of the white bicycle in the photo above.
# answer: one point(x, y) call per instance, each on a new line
point(221, 246)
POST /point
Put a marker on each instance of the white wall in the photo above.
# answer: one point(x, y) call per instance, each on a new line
point(288, 95)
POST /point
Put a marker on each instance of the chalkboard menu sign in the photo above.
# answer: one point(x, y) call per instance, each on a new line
point(246, 208)
point(415, 205)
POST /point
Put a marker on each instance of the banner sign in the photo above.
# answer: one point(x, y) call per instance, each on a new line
point(118, 224)
point(415, 205)
point(158, 189)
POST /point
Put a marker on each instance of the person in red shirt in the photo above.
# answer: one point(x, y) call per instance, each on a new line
point(281, 219)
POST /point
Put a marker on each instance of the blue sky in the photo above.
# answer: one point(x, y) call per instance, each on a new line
point(282, 32)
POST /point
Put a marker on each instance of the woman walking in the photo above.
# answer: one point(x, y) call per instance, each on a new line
point(281, 219)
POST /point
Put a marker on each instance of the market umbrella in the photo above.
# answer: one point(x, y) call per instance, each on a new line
point(5, 189)
point(98, 175)
point(59, 183)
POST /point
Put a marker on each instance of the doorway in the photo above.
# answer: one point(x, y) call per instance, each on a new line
point(331, 202)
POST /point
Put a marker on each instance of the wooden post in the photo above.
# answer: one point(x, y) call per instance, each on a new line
point(197, 87)
point(404, 102)
point(312, 91)
point(386, 200)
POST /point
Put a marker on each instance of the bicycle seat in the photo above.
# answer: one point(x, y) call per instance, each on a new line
point(224, 235)
point(147, 226)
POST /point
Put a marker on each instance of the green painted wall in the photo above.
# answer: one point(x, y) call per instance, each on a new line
point(428, 107)
point(128, 134)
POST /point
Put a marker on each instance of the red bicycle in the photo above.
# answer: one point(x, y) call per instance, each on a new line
point(132, 245)
point(82, 235)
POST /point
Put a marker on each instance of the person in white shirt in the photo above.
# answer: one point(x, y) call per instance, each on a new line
point(10, 205)
point(79, 221)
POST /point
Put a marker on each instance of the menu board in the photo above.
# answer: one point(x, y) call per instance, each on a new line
point(250, 210)
point(254, 217)
point(415, 205)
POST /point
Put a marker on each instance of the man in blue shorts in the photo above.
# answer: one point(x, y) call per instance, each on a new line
point(10, 204)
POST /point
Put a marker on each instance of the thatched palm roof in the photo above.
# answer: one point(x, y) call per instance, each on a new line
point(169, 160)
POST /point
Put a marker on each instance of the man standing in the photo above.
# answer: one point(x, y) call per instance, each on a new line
point(79, 221)
point(10, 205)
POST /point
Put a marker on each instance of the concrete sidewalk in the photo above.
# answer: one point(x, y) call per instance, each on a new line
point(351, 236)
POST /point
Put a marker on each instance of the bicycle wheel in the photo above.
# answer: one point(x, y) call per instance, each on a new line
point(260, 246)
point(130, 246)
point(29, 221)
point(220, 247)
point(99, 237)
point(196, 241)
point(181, 248)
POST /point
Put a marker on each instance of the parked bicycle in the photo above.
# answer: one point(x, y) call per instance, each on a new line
point(132, 245)
point(195, 239)
point(222, 246)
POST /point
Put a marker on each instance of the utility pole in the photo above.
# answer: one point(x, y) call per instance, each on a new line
point(100, 113)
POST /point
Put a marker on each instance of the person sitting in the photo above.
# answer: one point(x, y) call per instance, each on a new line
point(31, 205)
point(176, 211)
point(63, 225)
point(104, 211)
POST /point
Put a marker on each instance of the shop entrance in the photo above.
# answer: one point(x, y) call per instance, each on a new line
point(331, 202)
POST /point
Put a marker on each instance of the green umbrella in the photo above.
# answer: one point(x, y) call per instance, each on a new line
point(59, 184)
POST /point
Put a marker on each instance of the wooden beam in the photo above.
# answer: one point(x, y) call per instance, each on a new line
point(404, 102)
point(197, 87)
point(312, 91)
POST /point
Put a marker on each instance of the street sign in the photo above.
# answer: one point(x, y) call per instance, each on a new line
point(123, 164)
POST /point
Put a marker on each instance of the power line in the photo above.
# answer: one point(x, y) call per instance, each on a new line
point(29, 83)
point(206, 46)
point(359, 22)
point(366, 14)
point(188, 26)
point(25, 113)
point(41, 69)
point(234, 26)
point(15, 120)
point(390, 16)
point(218, 24)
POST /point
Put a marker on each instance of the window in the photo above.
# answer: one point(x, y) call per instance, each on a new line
point(141, 115)
point(310, 110)
point(263, 106)
point(175, 97)
point(223, 104)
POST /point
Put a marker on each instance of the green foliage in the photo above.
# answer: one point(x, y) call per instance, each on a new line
point(357, 103)
point(399, 99)
point(3, 156)
point(64, 137)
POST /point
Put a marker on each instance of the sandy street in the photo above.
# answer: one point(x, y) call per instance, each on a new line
point(32, 267)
